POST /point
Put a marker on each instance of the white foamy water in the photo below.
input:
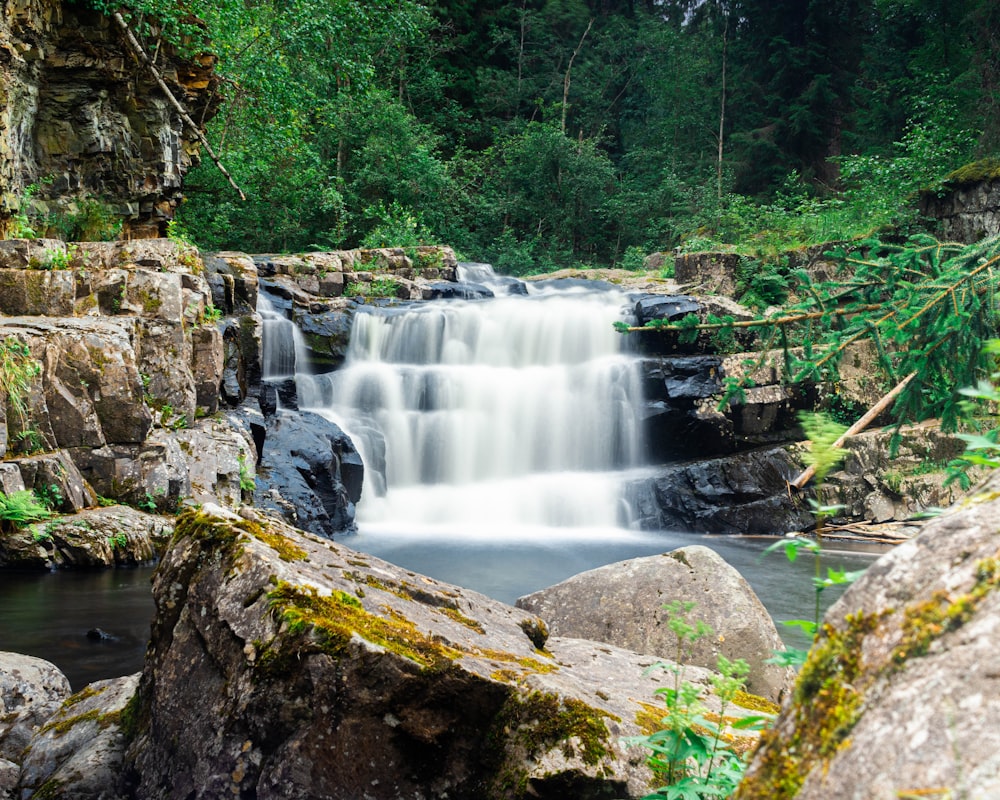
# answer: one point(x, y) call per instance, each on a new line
point(518, 411)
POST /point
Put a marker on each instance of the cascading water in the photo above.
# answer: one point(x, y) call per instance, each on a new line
point(518, 411)
point(496, 435)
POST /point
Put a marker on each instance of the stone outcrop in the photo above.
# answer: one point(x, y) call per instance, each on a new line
point(622, 604)
point(742, 493)
point(31, 690)
point(78, 110)
point(342, 676)
point(968, 208)
point(898, 696)
point(878, 485)
point(96, 537)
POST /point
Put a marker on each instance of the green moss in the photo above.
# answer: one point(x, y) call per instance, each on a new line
point(925, 622)
point(48, 790)
point(83, 694)
point(150, 302)
point(542, 720)
point(459, 617)
point(331, 621)
point(282, 545)
point(827, 706)
point(62, 726)
point(986, 169)
point(754, 702)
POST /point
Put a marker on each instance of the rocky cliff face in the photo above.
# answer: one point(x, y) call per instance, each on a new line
point(81, 118)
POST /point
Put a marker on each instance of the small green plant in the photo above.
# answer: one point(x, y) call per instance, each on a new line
point(689, 754)
point(51, 496)
point(104, 502)
point(87, 220)
point(40, 534)
point(633, 259)
point(118, 541)
point(55, 258)
point(822, 454)
point(247, 481)
point(21, 508)
point(29, 441)
point(148, 503)
point(384, 287)
point(178, 234)
point(981, 449)
point(212, 314)
point(17, 370)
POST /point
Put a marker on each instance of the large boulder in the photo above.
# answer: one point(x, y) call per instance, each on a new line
point(623, 604)
point(283, 665)
point(898, 697)
point(79, 752)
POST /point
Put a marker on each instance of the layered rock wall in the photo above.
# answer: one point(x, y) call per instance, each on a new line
point(81, 118)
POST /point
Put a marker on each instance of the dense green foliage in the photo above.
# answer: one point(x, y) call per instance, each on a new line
point(549, 132)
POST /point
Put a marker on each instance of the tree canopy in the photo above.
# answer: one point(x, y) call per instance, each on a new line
point(543, 133)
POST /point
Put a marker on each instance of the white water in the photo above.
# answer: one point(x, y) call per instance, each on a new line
point(486, 416)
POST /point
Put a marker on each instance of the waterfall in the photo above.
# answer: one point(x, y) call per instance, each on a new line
point(516, 411)
point(283, 347)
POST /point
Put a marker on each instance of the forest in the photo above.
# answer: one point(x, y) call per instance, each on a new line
point(548, 133)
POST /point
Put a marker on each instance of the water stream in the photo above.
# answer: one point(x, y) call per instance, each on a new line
point(496, 435)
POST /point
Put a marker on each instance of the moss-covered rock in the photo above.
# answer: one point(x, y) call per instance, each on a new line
point(283, 665)
point(897, 698)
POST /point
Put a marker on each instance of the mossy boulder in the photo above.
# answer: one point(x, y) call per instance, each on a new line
point(898, 696)
point(283, 665)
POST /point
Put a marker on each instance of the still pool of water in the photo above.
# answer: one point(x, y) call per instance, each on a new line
point(48, 614)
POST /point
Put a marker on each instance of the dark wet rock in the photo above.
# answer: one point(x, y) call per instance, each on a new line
point(743, 493)
point(327, 333)
point(671, 308)
point(309, 472)
point(622, 604)
point(898, 697)
point(445, 290)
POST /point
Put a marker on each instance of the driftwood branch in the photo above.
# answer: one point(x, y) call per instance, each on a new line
point(858, 426)
point(145, 59)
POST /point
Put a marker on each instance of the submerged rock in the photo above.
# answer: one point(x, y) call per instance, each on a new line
point(899, 695)
point(283, 665)
point(622, 604)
